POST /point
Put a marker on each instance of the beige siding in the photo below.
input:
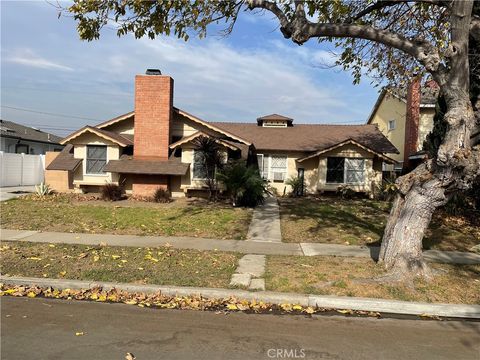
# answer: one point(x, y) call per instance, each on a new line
point(80, 152)
point(122, 127)
point(391, 108)
point(426, 125)
point(182, 127)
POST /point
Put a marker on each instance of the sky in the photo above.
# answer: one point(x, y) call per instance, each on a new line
point(47, 69)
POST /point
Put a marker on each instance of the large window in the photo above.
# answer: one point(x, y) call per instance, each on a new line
point(199, 167)
point(272, 167)
point(96, 159)
point(345, 170)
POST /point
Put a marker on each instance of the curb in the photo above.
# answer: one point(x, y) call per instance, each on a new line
point(321, 301)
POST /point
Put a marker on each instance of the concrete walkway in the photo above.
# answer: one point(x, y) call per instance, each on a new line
point(249, 273)
point(241, 246)
point(11, 192)
point(265, 225)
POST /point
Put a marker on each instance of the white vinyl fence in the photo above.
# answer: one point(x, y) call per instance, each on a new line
point(21, 169)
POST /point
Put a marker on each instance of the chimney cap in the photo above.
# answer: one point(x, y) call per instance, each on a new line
point(153, 72)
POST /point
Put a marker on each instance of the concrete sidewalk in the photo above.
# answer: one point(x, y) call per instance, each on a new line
point(265, 225)
point(241, 246)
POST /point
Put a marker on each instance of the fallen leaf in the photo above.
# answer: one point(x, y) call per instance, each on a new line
point(34, 258)
point(130, 356)
point(115, 257)
point(31, 294)
point(79, 333)
point(232, 307)
point(63, 273)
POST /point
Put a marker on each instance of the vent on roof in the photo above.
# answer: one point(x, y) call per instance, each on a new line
point(153, 72)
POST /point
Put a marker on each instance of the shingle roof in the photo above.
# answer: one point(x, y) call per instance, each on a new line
point(129, 165)
point(309, 137)
point(14, 130)
point(65, 160)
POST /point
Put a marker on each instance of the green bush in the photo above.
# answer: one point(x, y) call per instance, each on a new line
point(243, 184)
point(162, 196)
point(112, 192)
point(297, 185)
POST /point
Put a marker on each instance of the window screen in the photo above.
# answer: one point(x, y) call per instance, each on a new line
point(335, 170)
point(355, 171)
point(96, 159)
point(199, 168)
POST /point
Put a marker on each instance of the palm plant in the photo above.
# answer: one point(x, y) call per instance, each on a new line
point(243, 183)
point(212, 158)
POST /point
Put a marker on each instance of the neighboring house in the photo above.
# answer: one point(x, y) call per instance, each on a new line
point(405, 117)
point(16, 138)
point(154, 146)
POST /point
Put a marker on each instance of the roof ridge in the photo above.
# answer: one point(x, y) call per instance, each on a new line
point(251, 123)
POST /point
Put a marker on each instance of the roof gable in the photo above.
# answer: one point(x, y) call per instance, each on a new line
point(108, 135)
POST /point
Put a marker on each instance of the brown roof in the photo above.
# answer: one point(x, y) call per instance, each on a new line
point(309, 137)
point(274, 117)
point(18, 131)
point(129, 165)
point(65, 160)
point(110, 135)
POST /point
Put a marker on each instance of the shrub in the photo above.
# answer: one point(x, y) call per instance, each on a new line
point(162, 195)
point(43, 189)
point(112, 192)
point(389, 190)
point(345, 192)
point(243, 183)
point(296, 184)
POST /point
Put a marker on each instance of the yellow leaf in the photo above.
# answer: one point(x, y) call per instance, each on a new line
point(115, 257)
point(140, 268)
point(102, 298)
point(96, 258)
point(31, 294)
point(130, 302)
point(123, 261)
point(232, 307)
point(34, 258)
point(79, 333)
point(345, 311)
point(309, 310)
point(9, 291)
point(46, 265)
point(51, 245)
point(297, 307)
point(63, 273)
point(93, 297)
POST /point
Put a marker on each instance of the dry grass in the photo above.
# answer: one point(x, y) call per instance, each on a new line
point(161, 266)
point(328, 275)
point(361, 222)
point(89, 215)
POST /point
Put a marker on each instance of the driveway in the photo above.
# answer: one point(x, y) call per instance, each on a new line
point(10, 192)
point(46, 329)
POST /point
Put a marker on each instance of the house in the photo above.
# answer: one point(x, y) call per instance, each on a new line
point(16, 138)
point(405, 117)
point(153, 146)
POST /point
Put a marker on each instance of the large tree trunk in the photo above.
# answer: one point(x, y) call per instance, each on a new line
point(454, 168)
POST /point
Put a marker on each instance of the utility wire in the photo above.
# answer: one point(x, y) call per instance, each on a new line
point(48, 113)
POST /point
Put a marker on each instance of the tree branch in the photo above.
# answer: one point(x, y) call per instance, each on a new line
point(475, 28)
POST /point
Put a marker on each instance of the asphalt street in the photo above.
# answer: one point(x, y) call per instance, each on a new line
point(58, 329)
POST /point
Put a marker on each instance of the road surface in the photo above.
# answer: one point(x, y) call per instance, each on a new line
point(46, 329)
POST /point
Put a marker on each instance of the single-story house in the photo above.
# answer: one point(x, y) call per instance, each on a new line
point(153, 146)
point(17, 138)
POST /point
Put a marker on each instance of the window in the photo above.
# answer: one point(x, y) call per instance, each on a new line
point(96, 159)
point(199, 167)
point(391, 125)
point(278, 167)
point(345, 170)
point(263, 165)
point(21, 149)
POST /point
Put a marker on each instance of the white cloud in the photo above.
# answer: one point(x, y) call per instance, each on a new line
point(28, 58)
point(219, 82)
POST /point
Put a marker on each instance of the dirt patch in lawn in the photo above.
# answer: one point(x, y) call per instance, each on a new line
point(343, 277)
point(178, 218)
point(362, 221)
point(161, 266)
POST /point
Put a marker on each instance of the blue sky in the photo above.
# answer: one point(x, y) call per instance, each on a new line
point(253, 72)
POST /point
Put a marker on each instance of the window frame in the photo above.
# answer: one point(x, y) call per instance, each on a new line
point(346, 161)
point(103, 172)
point(270, 168)
point(394, 122)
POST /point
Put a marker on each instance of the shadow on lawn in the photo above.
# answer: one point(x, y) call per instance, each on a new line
point(333, 214)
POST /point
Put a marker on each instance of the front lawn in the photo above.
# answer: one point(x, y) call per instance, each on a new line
point(361, 222)
point(160, 266)
point(328, 275)
point(182, 217)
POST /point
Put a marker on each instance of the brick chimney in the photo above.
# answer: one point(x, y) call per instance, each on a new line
point(153, 115)
point(412, 120)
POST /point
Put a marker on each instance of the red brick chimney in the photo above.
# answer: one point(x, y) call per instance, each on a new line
point(153, 115)
point(412, 120)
